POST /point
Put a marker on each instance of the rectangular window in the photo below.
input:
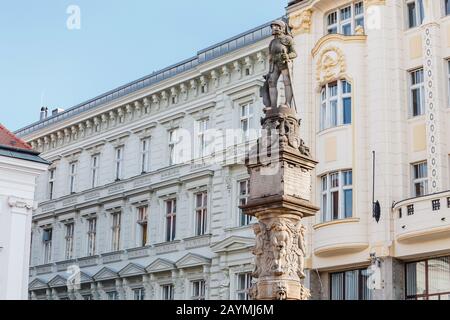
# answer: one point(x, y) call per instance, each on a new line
point(244, 193)
point(246, 120)
point(47, 242)
point(118, 163)
point(91, 235)
point(198, 290)
point(348, 193)
point(95, 166)
point(112, 295)
point(142, 224)
point(415, 13)
point(347, 102)
point(336, 104)
point(167, 292)
point(72, 177)
point(171, 219)
point(201, 213)
point(345, 20)
point(202, 127)
point(420, 179)
point(244, 283)
point(69, 240)
point(116, 224)
point(145, 155)
point(51, 183)
point(350, 285)
point(428, 280)
point(173, 150)
point(337, 196)
point(417, 93)
point(447, 7)
point(139, 294)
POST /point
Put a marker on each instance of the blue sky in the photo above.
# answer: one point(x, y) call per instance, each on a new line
point(119, 41)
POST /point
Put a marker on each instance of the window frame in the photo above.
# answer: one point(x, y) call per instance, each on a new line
point(169, 295)
point(340, 23)
point(419, 13)
point(116, 226)
point(95, 167)
point(69, 240)
point(361, 284)
point(171, 219)
point(145, 155)
point(330, 102)
point(418, 180)
point(244, 219)
point(73, 168)
point(142, 222)
point(246, 115)
point(420, 86)
point(118, 162)
point(243, 292)
point(47, 252)
point(91, 236)
point(201, 213)
point(202, 126)
point(201, 289)
point(327, 189)
point(426, 295)
point(138, 293)
point(51, 183)
point(173, 143)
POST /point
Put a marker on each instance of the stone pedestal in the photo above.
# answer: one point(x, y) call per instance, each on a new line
point(280, 197)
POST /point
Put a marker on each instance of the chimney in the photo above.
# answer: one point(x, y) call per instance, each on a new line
point(57, 111)
point(46, 112)
point(42, 115)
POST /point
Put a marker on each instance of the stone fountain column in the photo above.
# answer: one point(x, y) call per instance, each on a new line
point(280, 197)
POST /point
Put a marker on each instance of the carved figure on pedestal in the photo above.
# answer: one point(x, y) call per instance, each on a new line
point(280, 240)
point(258, 250)
point(300, 250)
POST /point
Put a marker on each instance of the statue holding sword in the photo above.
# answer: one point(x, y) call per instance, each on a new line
point(281, 54)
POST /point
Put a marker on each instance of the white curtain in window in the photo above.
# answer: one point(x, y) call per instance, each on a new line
point(351, 285)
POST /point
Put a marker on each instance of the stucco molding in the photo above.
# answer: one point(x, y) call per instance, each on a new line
point(336, 37)
point(20, 203)
point(300, 21)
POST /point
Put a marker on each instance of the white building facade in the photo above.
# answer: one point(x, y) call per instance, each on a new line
point(19, 168)
point(141, 200)
point(143, 220)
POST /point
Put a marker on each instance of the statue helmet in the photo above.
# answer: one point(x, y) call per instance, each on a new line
point(283, 26)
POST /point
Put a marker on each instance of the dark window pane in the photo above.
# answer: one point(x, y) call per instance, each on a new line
point(347, 110)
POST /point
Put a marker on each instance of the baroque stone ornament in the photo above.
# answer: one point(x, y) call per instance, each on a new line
point(280, 168)
point(330, 65)
point(300, 22)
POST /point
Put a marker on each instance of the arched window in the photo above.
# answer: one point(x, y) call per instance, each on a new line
point(335, 104)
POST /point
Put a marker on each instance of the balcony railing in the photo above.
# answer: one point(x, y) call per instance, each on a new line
point(427, 218)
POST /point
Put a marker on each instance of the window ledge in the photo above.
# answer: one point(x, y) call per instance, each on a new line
point(331, 129)
point(335, 222)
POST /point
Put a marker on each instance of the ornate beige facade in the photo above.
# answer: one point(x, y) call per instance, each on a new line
point(374, 76)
